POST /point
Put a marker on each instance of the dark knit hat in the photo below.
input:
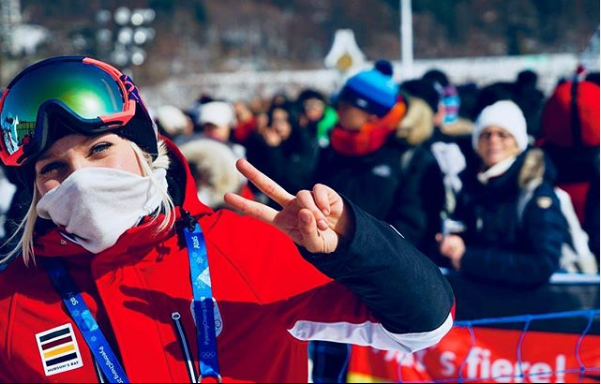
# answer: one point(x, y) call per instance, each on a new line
point(309, 94)
point(422, 90)
point(373, 91)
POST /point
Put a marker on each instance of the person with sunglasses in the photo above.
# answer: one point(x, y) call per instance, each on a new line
point(123, 275)
point(515, 228)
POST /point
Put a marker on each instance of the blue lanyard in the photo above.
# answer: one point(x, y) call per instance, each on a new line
point(204, 306)
point(102, 351)
point(206, 332)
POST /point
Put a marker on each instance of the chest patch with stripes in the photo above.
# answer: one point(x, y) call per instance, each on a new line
point(59, 350)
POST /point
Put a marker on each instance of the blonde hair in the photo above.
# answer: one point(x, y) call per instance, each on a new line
point(26, 228)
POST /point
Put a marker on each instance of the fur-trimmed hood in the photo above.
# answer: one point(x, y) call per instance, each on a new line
point(536, 168)
point(461, 127)
point(213, 165)
point(418, 124)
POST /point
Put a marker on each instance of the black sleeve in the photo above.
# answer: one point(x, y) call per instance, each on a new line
point(400, 285)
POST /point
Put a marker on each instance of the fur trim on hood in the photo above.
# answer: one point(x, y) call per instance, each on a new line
point(213, 165)
point(461, 127)
point(533, 170)
point(418, 124)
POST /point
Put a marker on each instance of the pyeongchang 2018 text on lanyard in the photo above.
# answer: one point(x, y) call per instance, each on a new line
point(79, 311)
point(204, 305)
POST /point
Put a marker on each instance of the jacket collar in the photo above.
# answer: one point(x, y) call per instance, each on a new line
point(496, 171)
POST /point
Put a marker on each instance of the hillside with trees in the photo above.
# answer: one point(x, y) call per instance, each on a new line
point(229, 35)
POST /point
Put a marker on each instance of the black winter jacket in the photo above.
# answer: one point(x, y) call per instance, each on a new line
point(399, 184)
point(502, 247)
point(291, 164)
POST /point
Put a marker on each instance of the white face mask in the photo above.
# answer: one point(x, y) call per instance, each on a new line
point(98, 205)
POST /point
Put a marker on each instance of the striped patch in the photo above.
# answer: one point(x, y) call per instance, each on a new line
point(58, 350)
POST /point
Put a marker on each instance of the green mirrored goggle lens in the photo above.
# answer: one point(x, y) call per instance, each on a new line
point(85, 89)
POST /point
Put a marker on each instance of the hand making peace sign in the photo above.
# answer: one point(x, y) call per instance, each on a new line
point(316, 220)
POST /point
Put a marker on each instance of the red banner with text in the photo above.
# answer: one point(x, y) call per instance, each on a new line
point(494, 356)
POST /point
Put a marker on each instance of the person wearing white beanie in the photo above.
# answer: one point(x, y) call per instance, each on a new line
point(173, 122)
point(514, 230)
point(504, 121)
point(217, 120)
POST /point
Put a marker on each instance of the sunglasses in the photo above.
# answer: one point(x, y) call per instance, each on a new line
point(487, 135)
point(92, 97)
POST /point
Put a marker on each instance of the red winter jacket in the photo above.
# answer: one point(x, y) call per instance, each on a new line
point(271, 301)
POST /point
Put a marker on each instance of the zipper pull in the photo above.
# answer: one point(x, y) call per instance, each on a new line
point(188, 220)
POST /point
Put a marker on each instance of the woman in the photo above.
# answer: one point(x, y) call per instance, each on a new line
point(120, 260)
point(284, 151)
point(515, 227)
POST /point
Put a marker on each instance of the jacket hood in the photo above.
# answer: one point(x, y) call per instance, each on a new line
point(536, 167)
point(462, 127)
point(418, 124)
point(214, 163)
point(182, 189)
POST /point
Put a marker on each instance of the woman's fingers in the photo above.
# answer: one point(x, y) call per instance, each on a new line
point(306, 201)
point(308, 229)
point(322, 198)
point(269, 187)
point(306, 217)
point(318, 202)
point(251, 208)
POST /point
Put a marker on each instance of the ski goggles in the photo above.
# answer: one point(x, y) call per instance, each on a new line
point(92, 97)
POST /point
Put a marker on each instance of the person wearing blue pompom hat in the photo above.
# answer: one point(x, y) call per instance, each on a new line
point(367, 163)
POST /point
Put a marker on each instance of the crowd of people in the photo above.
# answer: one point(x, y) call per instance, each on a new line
point(424, 156)
point(498, 183)
point(482, 180)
